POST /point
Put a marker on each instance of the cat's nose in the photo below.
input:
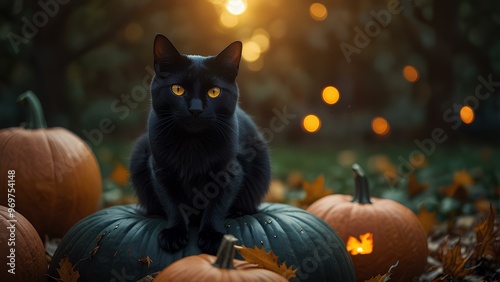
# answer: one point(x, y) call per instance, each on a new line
point(196, 107)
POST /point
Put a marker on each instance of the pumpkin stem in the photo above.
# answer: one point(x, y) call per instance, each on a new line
point(36, 118)
point(225, 254)
point(361, 190)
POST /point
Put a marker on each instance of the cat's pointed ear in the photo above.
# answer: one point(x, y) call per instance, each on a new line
point(231, 54)
point(164, 50)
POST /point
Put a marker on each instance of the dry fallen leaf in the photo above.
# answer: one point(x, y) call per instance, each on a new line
point(266, 260)
point(414, 187)
point(453, 261)
point(459, 189)
point(120, 174)
point(456, 191)
point(463, 178)
point(485, 237)
point(150, 277)
point(66, 272)
point(147, 260)
point(383, 278)
point(314, 191)
point(427, 219)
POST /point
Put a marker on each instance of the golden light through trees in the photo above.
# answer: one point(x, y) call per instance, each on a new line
point(330, 95)
point(380, 126)
point(318, 11)
point(311, 123)
point(410, 73)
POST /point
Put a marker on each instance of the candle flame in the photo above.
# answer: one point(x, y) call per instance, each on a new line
point(363, 247)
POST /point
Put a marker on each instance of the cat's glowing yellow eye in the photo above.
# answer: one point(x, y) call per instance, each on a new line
point(178, 90)
point(214, 92)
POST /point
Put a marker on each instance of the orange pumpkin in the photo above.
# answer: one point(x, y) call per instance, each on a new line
point(223, 267)
point(23, 255)
point(57, 180)
point(377, 232)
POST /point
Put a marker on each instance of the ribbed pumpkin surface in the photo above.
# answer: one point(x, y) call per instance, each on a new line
point(110, 244)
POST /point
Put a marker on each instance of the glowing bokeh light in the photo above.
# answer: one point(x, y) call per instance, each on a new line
point(236, 7)
point(380, 126)
point(228, 20)
point(311, 123)
point(261, 37)
point(330, 95)
point(251, 51)
point(410, 73)
point(318, 11)
point(467, 114)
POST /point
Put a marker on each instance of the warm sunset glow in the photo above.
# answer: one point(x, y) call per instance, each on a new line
point(251, 51)
point(256, 65)
point(311, 123)
point(467, 114)
point(228, 20)
point(380, 126)
point(261, 37)
point(410, 73)
point(318, 11)
point(236, 7)
point(363, 247)
point(330, 95)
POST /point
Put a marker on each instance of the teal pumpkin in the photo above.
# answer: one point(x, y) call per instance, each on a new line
point(121, 243)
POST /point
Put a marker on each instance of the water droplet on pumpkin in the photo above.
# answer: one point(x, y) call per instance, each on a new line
point(275, 236)
point(261, 242)
point(229, 225)
point(269, 221)
point(116, 226)
point(301, 231)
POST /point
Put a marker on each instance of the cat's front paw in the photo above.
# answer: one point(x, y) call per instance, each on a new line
point(209, 240)
point(173, 239)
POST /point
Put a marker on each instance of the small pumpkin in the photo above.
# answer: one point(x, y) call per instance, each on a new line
point(122, 241)
point(223, 267)
point(23, 255)
point(382, 231)
point(57, 178)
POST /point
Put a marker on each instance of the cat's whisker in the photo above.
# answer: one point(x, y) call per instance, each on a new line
point(220, 131)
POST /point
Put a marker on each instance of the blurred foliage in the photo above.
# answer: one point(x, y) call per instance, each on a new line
point(86, 59)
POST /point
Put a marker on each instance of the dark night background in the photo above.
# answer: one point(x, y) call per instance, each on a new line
point(90, 61)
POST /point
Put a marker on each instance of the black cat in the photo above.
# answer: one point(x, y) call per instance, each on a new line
point(202, 158)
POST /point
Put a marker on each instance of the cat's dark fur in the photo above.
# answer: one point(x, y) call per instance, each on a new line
point(202, 159)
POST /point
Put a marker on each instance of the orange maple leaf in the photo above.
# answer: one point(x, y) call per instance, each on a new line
point(463, 178)
point(266, 260)
point(459, 189)
point(414, 187)
point(314, 191)
point(427, 218)
point(66, 271)
point(120, 174)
